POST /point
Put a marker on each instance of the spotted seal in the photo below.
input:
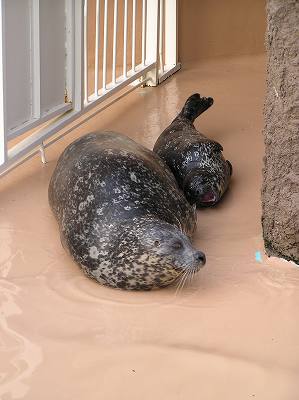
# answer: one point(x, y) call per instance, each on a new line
point(121, 214)
point(196, 161)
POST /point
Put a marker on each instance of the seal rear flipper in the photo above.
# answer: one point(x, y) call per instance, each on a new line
point(215, 146)
point(194, 106)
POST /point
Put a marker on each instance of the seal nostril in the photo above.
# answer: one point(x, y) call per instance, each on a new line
point(200, 257)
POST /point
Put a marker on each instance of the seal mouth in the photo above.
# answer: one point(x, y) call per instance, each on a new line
point(208, 198)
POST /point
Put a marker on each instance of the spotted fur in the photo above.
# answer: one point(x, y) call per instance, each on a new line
point(121, 214)
point(196, 161)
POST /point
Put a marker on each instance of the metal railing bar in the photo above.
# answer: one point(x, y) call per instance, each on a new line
point(143, 50)
point(105, 39)
point(134, 35)
point(33, 140)
point(125, 37)
point(13, 133)
point(97, 44)
point(120, 83)
point(161, 38)
point(12, 164)
point(114, 41)
point(35, 59)
point(86, 50)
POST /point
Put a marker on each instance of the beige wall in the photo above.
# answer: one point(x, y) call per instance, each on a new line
point(209, 28)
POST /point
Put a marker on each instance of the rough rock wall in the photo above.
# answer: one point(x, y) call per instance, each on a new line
point(280, 191)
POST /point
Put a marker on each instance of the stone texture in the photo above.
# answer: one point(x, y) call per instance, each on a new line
point(280, 190)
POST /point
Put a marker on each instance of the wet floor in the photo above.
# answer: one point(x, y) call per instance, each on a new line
point(230, 334)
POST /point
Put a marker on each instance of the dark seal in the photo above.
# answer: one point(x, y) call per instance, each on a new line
point(121, 214)
point(196, 161)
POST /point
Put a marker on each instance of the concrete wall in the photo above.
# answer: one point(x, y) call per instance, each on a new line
point(209, 28)
point(280, 192)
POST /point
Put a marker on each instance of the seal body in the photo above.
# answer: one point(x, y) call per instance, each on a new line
point(196, 161)
point(121, 214)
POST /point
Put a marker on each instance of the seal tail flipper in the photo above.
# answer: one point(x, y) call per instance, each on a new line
point(194, 106)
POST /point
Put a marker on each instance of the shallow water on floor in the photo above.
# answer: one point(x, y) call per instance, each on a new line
point(232, 333)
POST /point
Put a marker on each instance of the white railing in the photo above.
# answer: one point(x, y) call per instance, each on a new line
point(46, 80)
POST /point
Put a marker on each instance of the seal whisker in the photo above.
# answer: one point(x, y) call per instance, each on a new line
point(190, 277)
point(181, 279)
point(186, 278)
point(193, 274)
point(183, 282)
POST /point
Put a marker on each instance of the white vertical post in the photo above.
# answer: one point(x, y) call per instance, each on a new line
point(96, 50)
point(143, 30)
point(125, 38)
point(170, 27)
point(35, 57)
point(114, 42)
point(86, 51)
point(78, 59)
point(42, 153)
point(152, 39)
point(105, 44)
point(69, 51)
point(161, 37)
point(3, 134)
point(133, 35)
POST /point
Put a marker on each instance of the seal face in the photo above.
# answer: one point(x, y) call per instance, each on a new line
point(196, 162)
point(121, 214)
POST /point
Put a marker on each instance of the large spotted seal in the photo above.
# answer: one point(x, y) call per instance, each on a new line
point(196, 161)
point(121, 214)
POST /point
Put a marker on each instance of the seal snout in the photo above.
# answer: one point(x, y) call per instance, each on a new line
point(200, 258)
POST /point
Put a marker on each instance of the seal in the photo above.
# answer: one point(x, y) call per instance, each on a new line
point(196, 161)
point(121, 214)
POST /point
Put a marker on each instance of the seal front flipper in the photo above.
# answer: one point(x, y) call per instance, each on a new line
point(215, 146)
point(194, 106)
point(230, 167)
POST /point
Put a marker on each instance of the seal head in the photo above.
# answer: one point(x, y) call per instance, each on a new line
point(203, 188)
point(150, 254)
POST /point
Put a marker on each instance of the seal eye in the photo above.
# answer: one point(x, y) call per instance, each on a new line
point(177, 245)
point(156, 243)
